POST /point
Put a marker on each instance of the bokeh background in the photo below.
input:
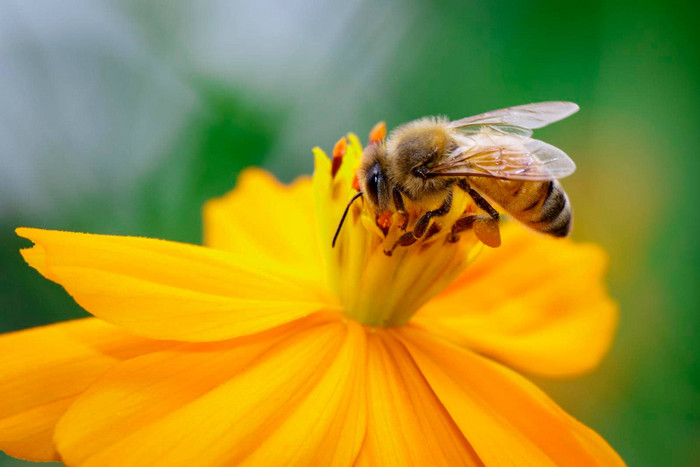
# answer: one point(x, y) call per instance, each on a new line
point(124, 117)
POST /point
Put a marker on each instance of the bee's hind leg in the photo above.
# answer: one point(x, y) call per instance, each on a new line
point(422, 223)
point(486, 228)
point(479, 200)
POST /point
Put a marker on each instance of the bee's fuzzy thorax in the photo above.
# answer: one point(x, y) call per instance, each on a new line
point(419, 144)
point(422, 126)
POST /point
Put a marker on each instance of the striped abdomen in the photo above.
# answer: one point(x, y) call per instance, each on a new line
point(542, 206)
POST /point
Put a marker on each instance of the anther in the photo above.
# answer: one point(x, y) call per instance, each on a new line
point(377, 133)
point(356, 183)
point(339, 151)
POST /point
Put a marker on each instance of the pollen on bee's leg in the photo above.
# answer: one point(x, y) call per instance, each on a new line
point(339, 151)
point(384, 221)
point(488, 231)
point(377, 133)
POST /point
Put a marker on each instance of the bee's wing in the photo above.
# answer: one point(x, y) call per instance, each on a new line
point(506, 156)
point(521, 119)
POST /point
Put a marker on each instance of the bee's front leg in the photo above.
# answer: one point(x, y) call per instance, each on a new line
point(400, 207)
point(422, 223)
point(406, 239)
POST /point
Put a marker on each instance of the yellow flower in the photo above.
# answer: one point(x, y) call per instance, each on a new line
point(269, 347)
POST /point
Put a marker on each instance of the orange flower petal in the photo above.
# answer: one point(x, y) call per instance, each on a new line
point(167, 290)
point(507, 420)
point(328, 426)
point(536, 303)
point(268, 221)
point(407, 424)
point(277, 398)
point(42, 371)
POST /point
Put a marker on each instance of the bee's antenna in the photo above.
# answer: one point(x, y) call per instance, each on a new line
point(342, 219)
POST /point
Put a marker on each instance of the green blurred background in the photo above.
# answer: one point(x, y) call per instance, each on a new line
point(124, 117)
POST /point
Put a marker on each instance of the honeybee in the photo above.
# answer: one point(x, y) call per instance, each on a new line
point(491, 154)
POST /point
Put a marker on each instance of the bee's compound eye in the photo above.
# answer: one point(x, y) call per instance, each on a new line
point(375, 181)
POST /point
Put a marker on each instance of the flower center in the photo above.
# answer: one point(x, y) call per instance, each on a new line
point(379, 270)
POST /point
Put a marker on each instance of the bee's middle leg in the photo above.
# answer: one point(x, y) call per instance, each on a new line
point(422, 223)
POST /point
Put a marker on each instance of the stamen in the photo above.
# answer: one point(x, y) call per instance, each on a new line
point(339, 151)
point(356, 183)
point(377, 133)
